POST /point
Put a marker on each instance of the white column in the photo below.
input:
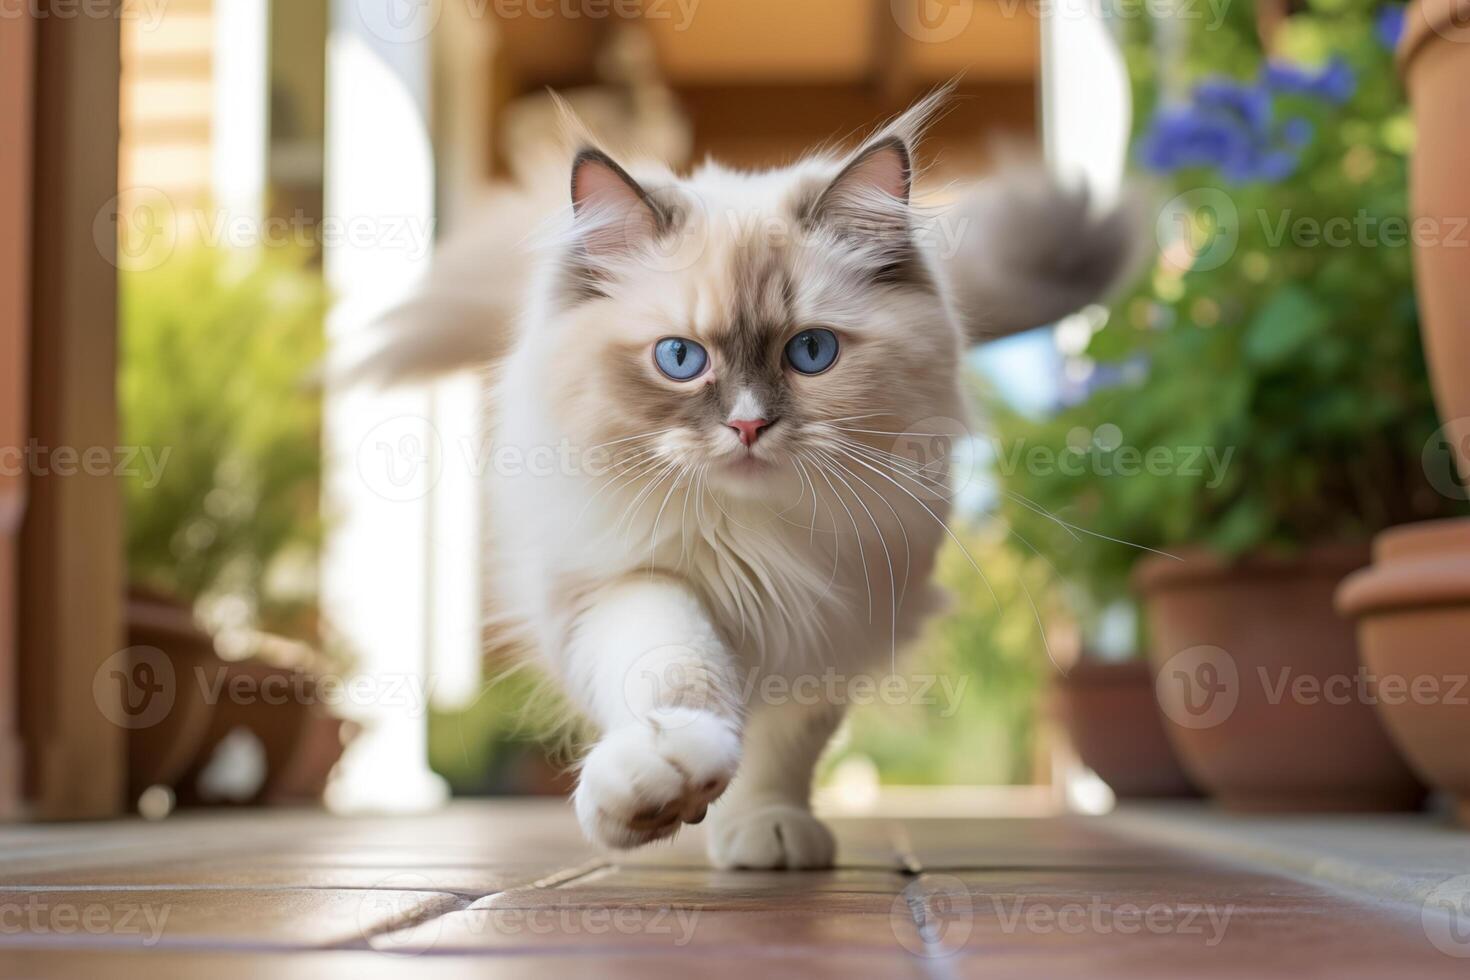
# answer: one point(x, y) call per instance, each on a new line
point(384, 454)
point(241, 117)
point(1086, 108)
point(1084, 96)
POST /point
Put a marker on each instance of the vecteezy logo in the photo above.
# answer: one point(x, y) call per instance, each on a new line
point(1198, 687)
point(1446, 917)
point(135, 688)
point(1447, 460)
point(1198, 230)
point(934, 916)
point(933, 21)
point(933, 457)
point(137, 230)
point(399, 21)
point(669, 685)
point(401, 459)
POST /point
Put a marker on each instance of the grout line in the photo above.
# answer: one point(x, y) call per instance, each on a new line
point(463, 902)
point(575, 873)
point(409, 920)
point(557, 879)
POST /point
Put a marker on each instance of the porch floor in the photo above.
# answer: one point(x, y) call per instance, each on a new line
point(510, 889)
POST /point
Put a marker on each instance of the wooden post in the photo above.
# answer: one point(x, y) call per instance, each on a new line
point(17, 40)
point(71, 583)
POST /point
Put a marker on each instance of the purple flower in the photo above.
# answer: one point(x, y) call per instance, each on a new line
point(1389, 25)
point(1250, 103)
point(1297, 132)
point(1186, 137)
point(1228, 127)
point(1334, 83)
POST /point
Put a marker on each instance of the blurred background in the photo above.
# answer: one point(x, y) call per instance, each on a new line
point(261, 591)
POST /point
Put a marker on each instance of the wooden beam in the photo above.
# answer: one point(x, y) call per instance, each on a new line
point(71, 547)
point(17, 42)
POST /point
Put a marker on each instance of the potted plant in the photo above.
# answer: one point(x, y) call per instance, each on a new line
point(1108, 710)
point(222, 484)
point(1413, 606)
point(1257, 407)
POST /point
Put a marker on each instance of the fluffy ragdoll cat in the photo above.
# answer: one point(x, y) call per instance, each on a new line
point(740, 365)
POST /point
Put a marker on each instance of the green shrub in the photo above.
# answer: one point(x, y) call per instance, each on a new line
point(216, 349)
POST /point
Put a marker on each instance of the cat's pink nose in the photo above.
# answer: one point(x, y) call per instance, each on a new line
point(749, 430)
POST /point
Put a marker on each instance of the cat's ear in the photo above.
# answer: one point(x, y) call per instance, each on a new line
point(869, 198)
point(871, 193)
point(614, 213)
point(880, 170)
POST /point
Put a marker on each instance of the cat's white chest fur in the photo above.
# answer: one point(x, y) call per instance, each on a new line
point(835, 576)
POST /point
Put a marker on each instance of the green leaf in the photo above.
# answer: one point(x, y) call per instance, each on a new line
point(1290, 320)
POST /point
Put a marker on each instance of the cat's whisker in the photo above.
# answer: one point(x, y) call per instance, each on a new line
point(642, 467)
point(806, 482)
point(901, 465)
point(887, 555)
point(944, 525)
point(689, 489)
point(831, 519)
point(1072, 529)
point(653, 536)
point(886, 432)
point(1041, 511)
point(644, 435)
point(1035, 610)
point(862, 557)
point(643, 455)
point(630, 513)
point(898, 520)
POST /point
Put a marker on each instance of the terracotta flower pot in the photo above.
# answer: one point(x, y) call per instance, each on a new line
point(1260, 684)
point(1413, 610)
point(1112, 717)
point(1434, 57)
point(168, 647)
point(1413, 606)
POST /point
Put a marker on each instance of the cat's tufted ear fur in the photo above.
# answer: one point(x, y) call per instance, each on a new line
point(614, 213)
point(870, 196)
point(884, 167)
point(868, 200)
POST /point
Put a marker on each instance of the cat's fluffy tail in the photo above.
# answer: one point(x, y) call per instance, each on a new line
point(464, 314)
point(1020, 250)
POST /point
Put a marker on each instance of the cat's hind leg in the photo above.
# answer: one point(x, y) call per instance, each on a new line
point(662, 686)
point(766, 820)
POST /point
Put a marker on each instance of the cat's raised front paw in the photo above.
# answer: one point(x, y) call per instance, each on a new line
point(641, 783)
point(772, 835)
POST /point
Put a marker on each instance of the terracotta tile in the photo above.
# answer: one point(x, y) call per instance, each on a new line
point(210, 918)
point(1062, 842)
point(861, 844)
point(190, 965)
point(1224, 922)
point(460, 878)
point(669, 930)
point(506, 890)
point(854, 890)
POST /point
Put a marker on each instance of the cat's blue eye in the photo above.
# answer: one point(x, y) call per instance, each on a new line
point(680, 359)
point(812, 351)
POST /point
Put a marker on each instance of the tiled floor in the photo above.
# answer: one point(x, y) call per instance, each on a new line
point(510, 890)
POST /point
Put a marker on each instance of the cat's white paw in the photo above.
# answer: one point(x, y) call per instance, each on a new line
point(641, 783)
point(771, 835)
